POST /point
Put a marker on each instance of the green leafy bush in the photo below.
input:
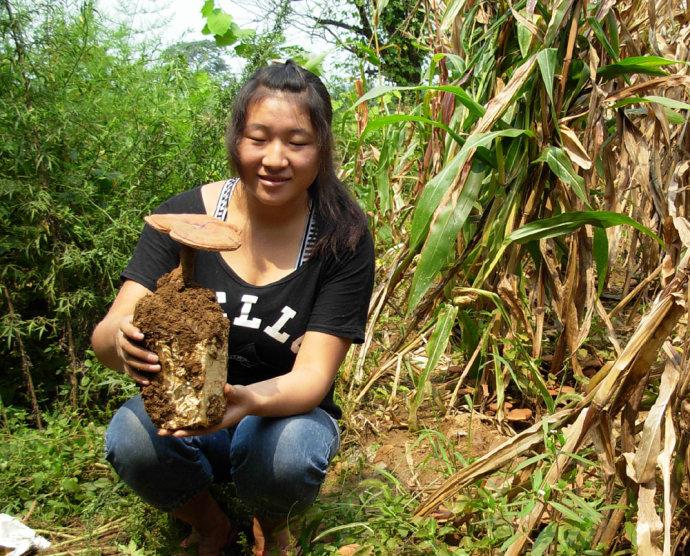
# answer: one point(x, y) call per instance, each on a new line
point(93, 134)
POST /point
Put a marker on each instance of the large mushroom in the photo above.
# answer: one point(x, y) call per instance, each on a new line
point(185, 326)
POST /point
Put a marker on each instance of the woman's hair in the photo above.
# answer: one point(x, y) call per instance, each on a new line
point(341, 222)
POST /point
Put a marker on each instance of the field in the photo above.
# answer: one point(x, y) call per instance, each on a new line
point(523, 387)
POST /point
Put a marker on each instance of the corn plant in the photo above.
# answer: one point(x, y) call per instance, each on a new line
point(547, 144)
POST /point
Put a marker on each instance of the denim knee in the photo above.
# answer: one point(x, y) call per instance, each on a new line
point(279, 464)
point(164, 471)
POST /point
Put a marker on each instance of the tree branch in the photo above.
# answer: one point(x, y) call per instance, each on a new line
point(333, 23)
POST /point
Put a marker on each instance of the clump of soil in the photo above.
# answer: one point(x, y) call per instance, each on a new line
point(186, 328)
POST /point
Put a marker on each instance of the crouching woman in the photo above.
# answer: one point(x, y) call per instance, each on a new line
point(296, 293)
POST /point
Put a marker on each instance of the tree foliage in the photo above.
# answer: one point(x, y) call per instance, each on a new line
point(93, 134)
point(389, 35)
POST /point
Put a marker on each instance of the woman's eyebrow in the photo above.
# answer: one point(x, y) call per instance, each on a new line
point(293, 131)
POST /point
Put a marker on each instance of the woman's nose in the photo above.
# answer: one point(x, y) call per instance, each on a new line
point(274, 155)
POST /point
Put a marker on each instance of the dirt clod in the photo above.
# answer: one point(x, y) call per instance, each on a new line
point(186, 328)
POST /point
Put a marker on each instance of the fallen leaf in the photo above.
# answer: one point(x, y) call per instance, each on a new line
point(494, 406)
point(442, 514)
point(520, 414)
point(348, 550)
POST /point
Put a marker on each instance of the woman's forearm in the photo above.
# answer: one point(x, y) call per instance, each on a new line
point(306, 385)
point(298, 391)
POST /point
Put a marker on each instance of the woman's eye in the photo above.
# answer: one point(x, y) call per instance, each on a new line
point(298, 144)
point(256, 139)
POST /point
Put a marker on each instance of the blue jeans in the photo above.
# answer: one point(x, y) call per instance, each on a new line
point(276, 463)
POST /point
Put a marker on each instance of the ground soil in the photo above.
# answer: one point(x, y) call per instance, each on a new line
point(421, 460)
point(188, 314)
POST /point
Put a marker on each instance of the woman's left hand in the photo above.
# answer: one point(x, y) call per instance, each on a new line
point(238, 401)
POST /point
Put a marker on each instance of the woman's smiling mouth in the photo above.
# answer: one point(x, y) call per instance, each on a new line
point(274, 180)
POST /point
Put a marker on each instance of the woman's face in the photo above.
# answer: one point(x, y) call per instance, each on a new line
point(278, 152)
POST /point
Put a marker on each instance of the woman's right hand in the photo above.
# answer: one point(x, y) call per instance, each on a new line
point(136, 361)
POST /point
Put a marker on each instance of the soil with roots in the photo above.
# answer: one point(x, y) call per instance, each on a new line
point(189, 315)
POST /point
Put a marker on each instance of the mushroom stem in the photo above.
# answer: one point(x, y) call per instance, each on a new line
point(187, 256)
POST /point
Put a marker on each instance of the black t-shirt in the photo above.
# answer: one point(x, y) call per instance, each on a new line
point(326, 294)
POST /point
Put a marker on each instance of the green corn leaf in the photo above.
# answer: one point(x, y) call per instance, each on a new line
point(557, 17)
point(436, 188)
point(600, 252)
point(649, 65)
point(547, 66)
point(601, 36)
point(476, 109)
point(382, 121)
point(431, 196)
point(674, 117)
point(451, 13)
point(568, 222)
point(440, 244)
point(664, 101)
point(560, 165)
point(614, 39)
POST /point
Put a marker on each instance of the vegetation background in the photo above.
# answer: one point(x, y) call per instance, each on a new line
point(525, 166)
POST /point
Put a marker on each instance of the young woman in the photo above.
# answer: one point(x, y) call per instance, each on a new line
point(296, 293)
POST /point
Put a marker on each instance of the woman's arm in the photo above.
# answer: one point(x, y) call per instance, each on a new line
point(115, 339)
point(306, 385)
point(298, 391)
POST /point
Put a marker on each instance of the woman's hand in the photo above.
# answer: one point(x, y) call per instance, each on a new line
point(239, 403)
point(135, 360)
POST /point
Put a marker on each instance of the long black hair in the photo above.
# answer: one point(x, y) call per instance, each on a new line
point(341, 222)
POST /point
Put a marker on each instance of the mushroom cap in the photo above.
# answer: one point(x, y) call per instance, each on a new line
point(197, 230)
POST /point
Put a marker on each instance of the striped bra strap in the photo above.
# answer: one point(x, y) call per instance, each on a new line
point(310, 233)
point(221, 212)
point(309, 239)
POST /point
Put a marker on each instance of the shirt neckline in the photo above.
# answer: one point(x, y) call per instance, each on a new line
point(237, 278)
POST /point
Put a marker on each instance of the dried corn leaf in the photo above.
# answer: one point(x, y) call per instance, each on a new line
point(649, 526)
point(665, 464)
point(573, 436)
point(641, 466)
point(508, 292)
point(574, 149)
point(500, 456)
point(683, 227)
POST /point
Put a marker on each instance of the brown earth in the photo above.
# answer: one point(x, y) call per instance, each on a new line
point(188, 315)
point(421, 460)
